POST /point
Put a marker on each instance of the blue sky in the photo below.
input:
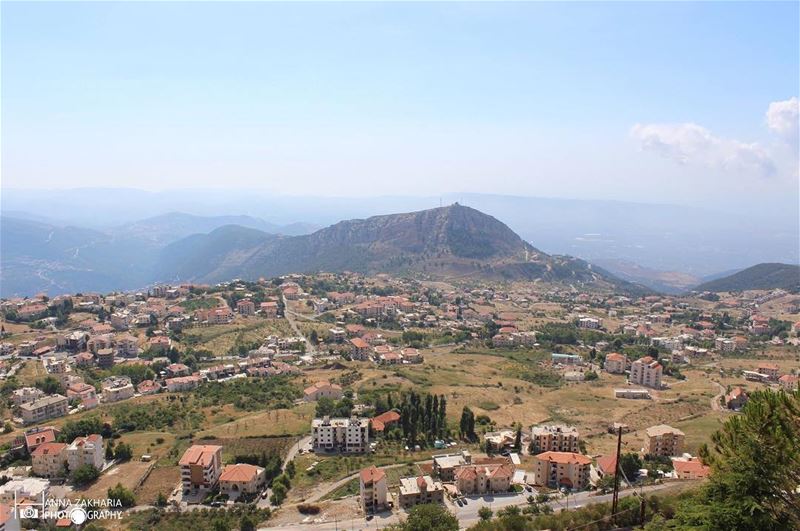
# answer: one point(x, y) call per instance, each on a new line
point(636, 101)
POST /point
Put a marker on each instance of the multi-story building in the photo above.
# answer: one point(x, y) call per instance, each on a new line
point(724, 344)
point(45, 408)
point(347, 435)
point(555, 438)
point(105, 358)
point(444, 466)
point(269, 309)
point(35, 437)
point(562, 470)
point(770, 369)
point(246, 307)
point(49, 460)
point(616, 363)
point(484, 478)
point(116, 388)
point(420, 490)
point(121, 320)
point(201, 467)
point(24, 395)
point(183, 383)
point(360, 349)
point(127, 346)
point(590, 323)
point(789, 382)
point(663, 440)
point(374, 493)
point(646, 371)
point(84, 392)
point(85, 451)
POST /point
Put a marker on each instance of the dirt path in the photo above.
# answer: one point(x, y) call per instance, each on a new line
point(715, 405)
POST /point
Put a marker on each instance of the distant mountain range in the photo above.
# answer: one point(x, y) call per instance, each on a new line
point(692, 240)
point(454, 241)
point(761, 276)
point(43, 256)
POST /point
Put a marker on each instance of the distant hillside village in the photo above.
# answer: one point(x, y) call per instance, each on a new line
point(365, 395)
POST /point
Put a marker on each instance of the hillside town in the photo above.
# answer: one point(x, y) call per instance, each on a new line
point(314, 398)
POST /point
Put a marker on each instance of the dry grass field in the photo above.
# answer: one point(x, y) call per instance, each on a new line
point(489, 382)
point(266, 424)
point(162, 479)
point(219, 339)
point(127, 474)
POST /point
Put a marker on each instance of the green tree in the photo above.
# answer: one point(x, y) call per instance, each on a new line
point(161, 500)
point(247, 523)
point(467, 424)
point(430, 517)
point(290, 469)
point(123, 452)
point(518, 439)
point(485, 513)
point(630, 464)
point(50, 385)
point(122, 495)
point(755, 469)
point(278, 494)
point(84, 474)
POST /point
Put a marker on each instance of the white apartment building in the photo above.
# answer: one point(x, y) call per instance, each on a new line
point(117, 388)
point(647, 372)
point(23, 395)
point(555, 438)
point(45, 408)
point(340, 435)
point(86, 451)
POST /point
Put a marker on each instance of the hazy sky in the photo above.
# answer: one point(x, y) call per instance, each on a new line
point(675, 102)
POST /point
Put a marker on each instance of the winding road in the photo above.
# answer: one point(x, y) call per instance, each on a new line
point(468, 514)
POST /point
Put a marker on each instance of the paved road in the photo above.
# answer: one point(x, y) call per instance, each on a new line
point(467, 515)
point(310, 348)
point(264, 502)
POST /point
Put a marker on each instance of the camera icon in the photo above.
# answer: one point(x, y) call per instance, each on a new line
point(29, 512)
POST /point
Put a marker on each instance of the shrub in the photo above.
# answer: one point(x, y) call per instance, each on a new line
point(308, 508)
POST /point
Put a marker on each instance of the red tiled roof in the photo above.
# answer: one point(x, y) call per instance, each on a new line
point(239, 473)
point(607, 463)
point(199, 455)
point(691, 467)
point(359, 343)
point(372, 474)
point(379, 423)
point(49, 448)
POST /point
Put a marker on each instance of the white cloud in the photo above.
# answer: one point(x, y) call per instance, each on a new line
point(783, 118)
point(692, 144)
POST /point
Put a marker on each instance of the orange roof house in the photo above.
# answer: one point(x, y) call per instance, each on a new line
point(384, 420)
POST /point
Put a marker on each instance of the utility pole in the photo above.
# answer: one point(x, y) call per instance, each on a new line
point(642, 507)
point(615, 497)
